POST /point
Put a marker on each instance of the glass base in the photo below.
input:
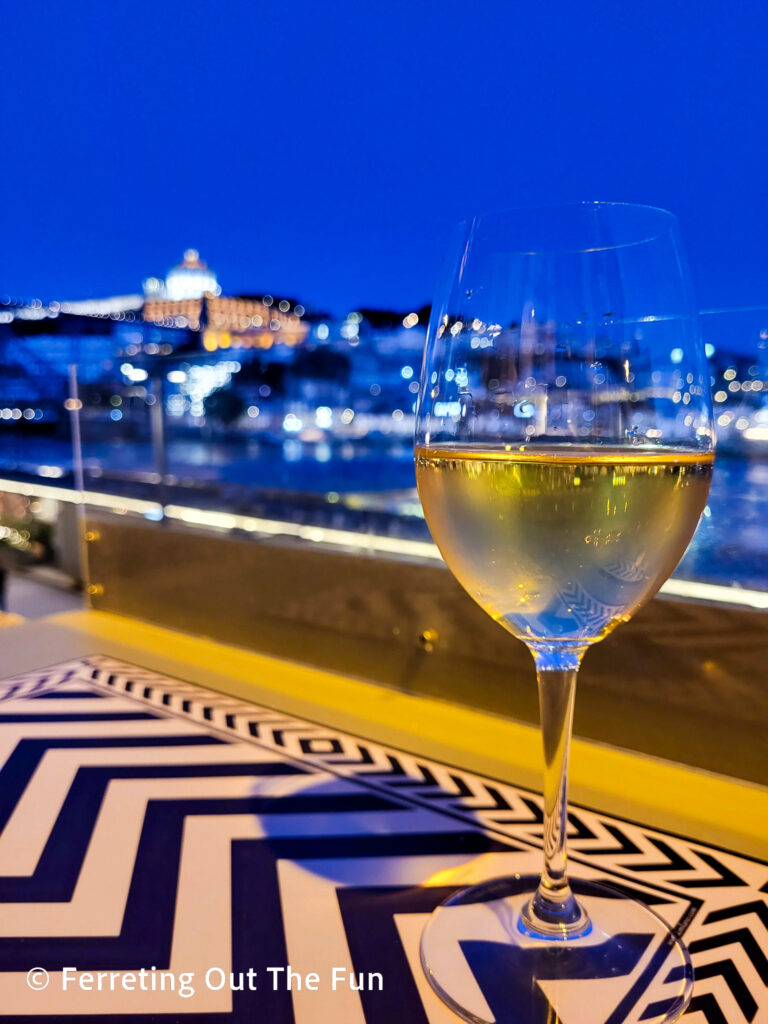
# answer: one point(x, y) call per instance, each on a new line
point(489, 967)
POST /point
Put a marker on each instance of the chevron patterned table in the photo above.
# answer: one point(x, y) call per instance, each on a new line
point(154, 831)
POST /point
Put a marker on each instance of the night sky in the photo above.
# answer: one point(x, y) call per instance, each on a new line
point(322, 149)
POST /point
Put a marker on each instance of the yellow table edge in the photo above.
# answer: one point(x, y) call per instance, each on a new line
point(715, 809)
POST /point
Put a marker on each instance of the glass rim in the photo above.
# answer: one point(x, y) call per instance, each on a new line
point(471, 223)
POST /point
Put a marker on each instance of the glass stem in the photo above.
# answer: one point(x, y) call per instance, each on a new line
point(553, 910)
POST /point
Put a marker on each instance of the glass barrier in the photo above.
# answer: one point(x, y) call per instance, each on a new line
point(301, 427)
point(313, 441)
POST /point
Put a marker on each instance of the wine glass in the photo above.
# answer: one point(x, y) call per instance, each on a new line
point(564, 451)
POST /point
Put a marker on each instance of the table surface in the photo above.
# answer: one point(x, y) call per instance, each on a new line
point(149, 822)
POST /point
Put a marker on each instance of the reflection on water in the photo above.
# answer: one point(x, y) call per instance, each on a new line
point(731, 544)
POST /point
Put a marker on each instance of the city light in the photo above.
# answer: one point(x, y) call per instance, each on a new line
point(447, 409)
point(292, 423)
point(324, 417)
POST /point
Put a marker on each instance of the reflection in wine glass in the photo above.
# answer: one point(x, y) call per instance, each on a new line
point(564, 452)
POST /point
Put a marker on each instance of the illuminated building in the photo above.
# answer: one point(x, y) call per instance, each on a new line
point(190, 279)
point(173, 312)
point(190, 297)
point(232, 322)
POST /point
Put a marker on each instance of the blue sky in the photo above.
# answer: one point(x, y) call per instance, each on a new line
point(322, 150)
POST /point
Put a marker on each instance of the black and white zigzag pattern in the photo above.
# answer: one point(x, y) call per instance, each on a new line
point(37, 683)
point(149, 822)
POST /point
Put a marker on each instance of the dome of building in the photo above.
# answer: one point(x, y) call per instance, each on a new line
point(191, 279)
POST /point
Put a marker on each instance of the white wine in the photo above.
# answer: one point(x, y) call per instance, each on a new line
point(562, 543)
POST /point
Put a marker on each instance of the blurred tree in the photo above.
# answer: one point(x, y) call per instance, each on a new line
point(322, 364)
point(224, 405)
